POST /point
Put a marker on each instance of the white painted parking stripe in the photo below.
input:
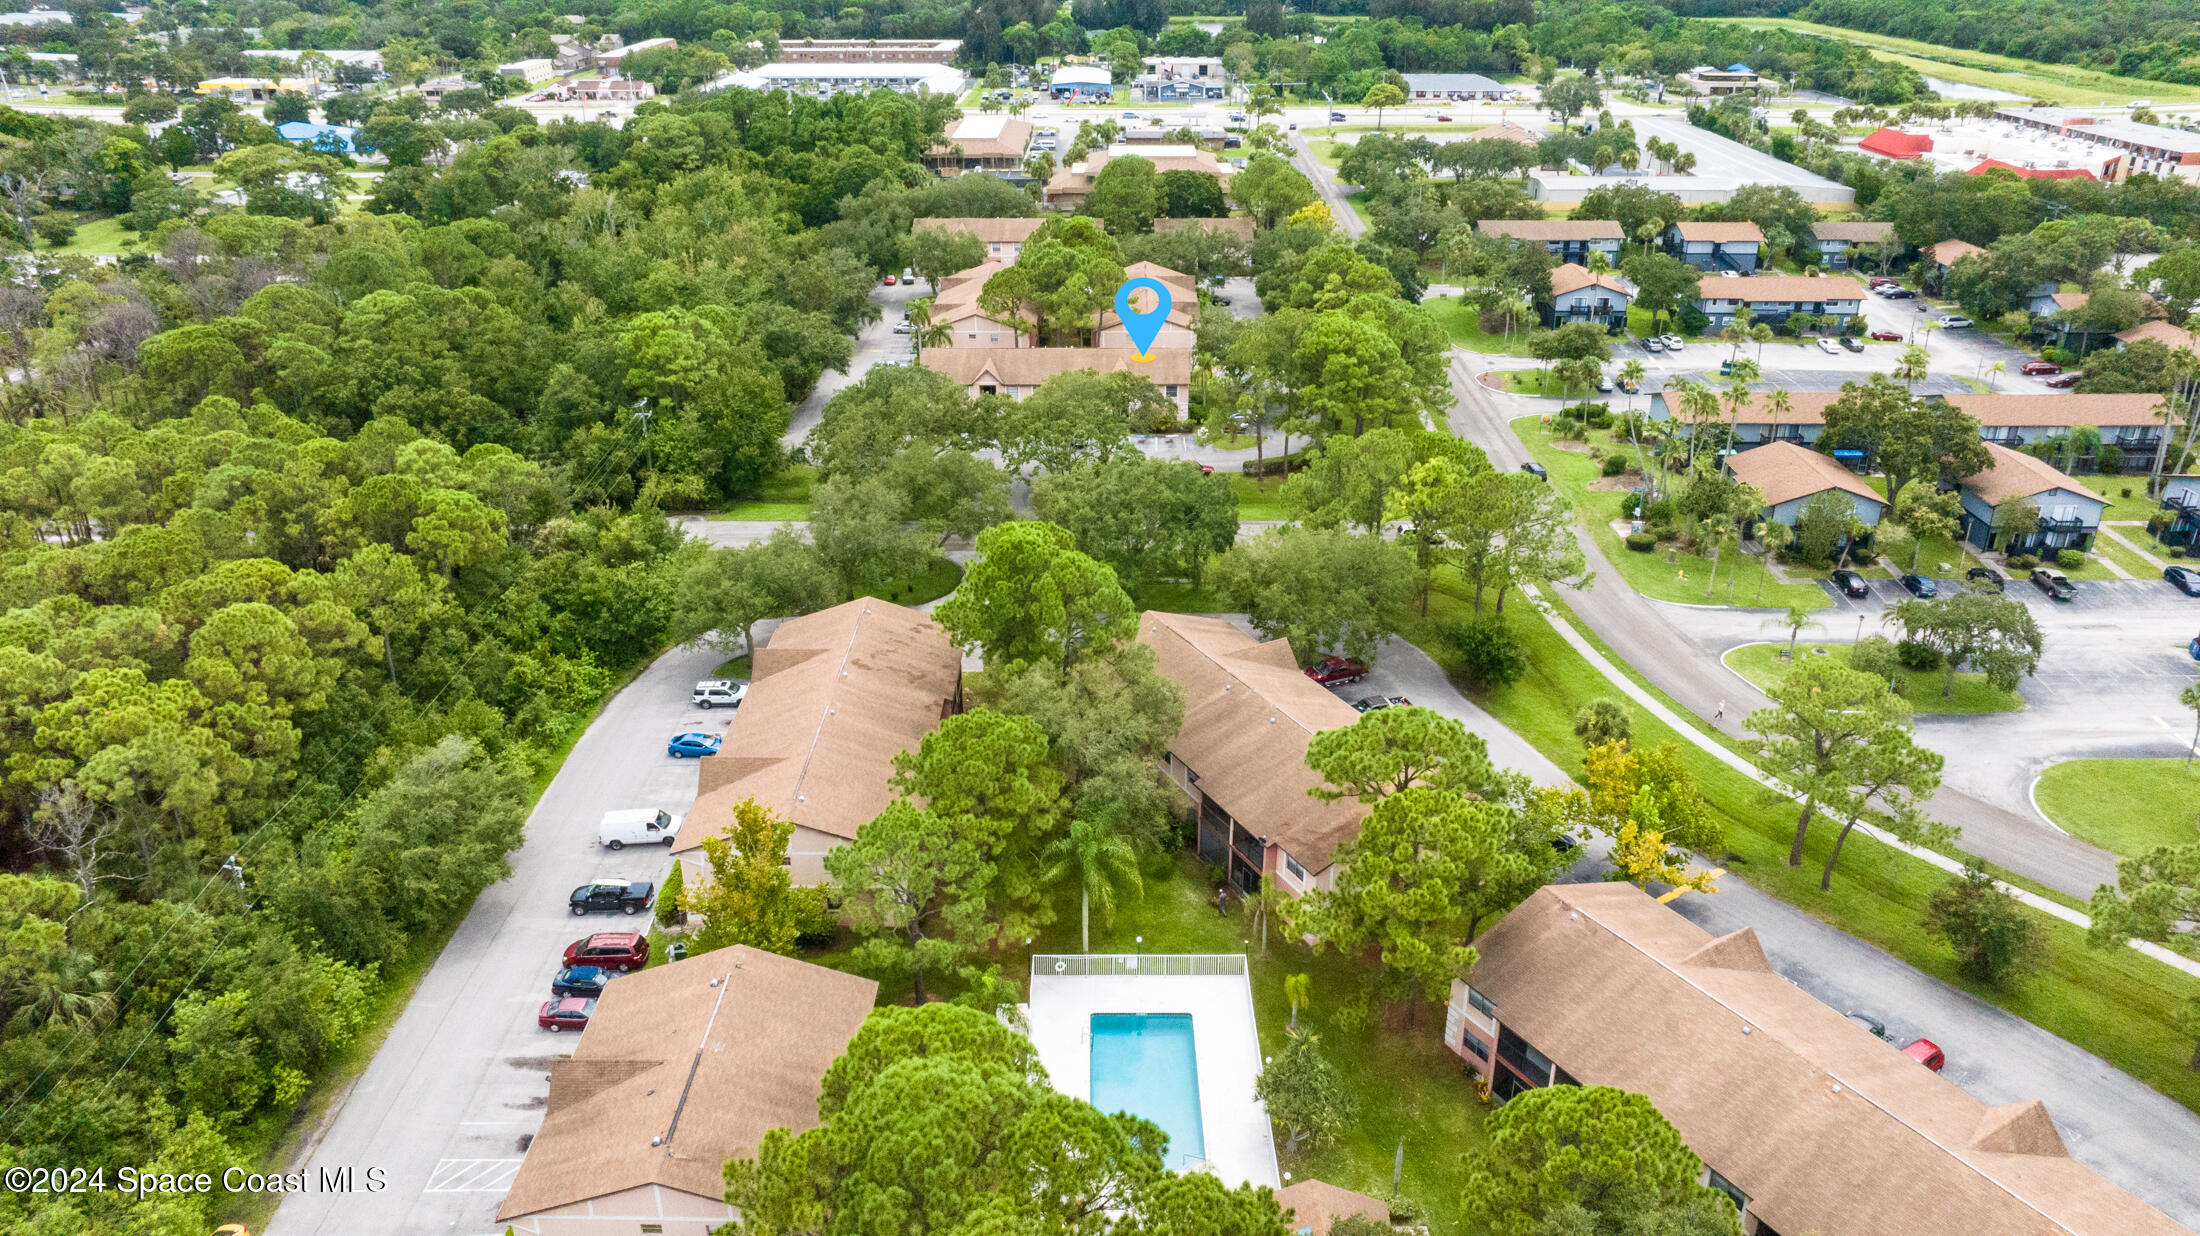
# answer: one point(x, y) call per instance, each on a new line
point(472, 1176)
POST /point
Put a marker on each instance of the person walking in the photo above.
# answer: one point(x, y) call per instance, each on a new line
point(1720, 711)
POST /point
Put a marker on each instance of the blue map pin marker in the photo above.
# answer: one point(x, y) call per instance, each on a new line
point(1143, 328)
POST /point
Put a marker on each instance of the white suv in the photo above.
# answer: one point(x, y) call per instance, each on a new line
point(712, 692)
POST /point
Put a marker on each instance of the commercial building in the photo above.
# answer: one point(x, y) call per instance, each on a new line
point(1806, 1119)
point(1789, 476)
point(1173, 78)
point(1733, 79)
point(993, 143)
point(1069, 185)
point(605, 90)
point(1896, 144)
point(1017, 372)
point(1003, 238)
point(2152, 148)
point(251, 89)
point(833, 697)
point(870, 51)
point(1459, 87)
point(615, 58)
point(1832, 299)
point(1573, 240)
point(532, 72)
point(1582, 295)
point(1240, 756)
point(1081, 82)
point(1841, 245)
point(1716, 246)
point(824, 77)
point(2069, 513)
point(682, 1067)
point(364, 58)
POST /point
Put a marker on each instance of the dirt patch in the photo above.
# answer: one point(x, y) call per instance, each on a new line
point(1575, 448)
point(1614, 484)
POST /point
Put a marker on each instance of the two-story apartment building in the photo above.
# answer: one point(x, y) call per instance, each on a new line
point(990, 143)
point(1240, 756)
point(1573, 240)
point(1853, 243)
point(968, 324)
point(1017, 372)
point(1178, 330)
point(1789, 474)
point(1581, 295)
point(1716, 246)
point(1809, 1122)
point(1067, 188)
point(1938, 258)
point(2131, 423)
point(1775, 298)
point(2070, 514)
point(2175, 338)
point(1757, 422)
point(1003, 238)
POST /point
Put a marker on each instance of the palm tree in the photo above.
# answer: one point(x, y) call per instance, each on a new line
point(1271, 902)
point(1720, 531)
point(1997, 369)
point(1771, 539)
point(1778, 403)
point(1760, 334)
point(1796, 620)
point(923, 331)
point(2190, 698)
point(1100, 860)
point(1298, 989)
point(1925, 331)
point(1910, 370)
point(67, 987)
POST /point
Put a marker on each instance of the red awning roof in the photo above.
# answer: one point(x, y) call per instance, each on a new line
point(1895, 144)
point(2035, 173)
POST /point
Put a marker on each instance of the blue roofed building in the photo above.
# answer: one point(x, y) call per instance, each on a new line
point(330, 138)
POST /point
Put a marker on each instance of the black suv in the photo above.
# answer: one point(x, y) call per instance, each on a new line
point(604, 896)
point(1986, 578)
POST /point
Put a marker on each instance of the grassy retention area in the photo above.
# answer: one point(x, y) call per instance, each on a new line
point(2114, 1002)
point(1259, 499)
point(1766, 664)
point(936, 580)
point(2056, 83)
point(100, 237)
point(1684, 578)
point(1459, 320)
point(783, 495)
point(2128, 806)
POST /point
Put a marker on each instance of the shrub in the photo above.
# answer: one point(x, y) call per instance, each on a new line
point(1273, 465)
point(1641, 542)
point(1693, 321)
point(669, 911)
point(2125, 491)
point(1490, 653)
point(1917, 657)
point(1615, 465)
point(2022, 562)
point(2109, 459)
point(2058, 356)
point(1666, 532)
point(1660, 512)
point(1995, 942)
point(1876, 654)
point(2176, 551)
point(2069, 559)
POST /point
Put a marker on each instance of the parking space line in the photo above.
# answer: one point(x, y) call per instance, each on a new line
point(472, 1176)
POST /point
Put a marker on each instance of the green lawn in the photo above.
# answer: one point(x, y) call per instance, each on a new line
point(2114, 1002)
point(2120, 508)
point(936, 580)
point(2055, 83)
point(2128, 806)
point(1766, 664)
point(732, 667)
point(104, 237)
point(1178, 597)
point(2133, 564)
point(1685, 577)
point(784, 495)
point(1459, 319)
point(1542, 382)
point(1259, 499)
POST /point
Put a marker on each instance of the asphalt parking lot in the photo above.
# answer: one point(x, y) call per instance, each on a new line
point(2103, 596)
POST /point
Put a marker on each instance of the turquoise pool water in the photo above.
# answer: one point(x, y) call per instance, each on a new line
point(1143, 1063)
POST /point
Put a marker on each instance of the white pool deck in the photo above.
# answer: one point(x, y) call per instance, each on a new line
point(1241, 1148)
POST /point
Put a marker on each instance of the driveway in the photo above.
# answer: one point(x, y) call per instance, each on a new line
point(451, 1099)
point(876, 344)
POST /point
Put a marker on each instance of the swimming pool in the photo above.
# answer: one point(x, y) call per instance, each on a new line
point(1143, 1063)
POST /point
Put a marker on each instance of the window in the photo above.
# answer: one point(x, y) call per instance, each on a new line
point(1476, 1044)
point(985, 389)
point(1481, 1003)
point(1170, 391)
point(1723, 1185)
point(1291, 865)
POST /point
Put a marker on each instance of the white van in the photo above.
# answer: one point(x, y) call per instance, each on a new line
point(641, 826)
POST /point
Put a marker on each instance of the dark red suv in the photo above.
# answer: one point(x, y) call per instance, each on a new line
point(1335, 670)
point(610, 950)
point(2040, 368)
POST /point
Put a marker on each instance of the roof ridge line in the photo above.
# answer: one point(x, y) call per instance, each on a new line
point(1241, 680)
point(725, 981)
point(1839, 1080)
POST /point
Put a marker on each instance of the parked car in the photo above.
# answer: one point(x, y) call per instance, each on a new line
point(616, 951)
point(1882, 281)
point(1852, 343)
point(1375, 702)
point(1604, 384)
point(1223, 301)
point(1828, 346)
point(1887, 336)
point(1987, 578)
point(1921, 586)
point(1850, 583)
point(2185, 579)
point(889, 280)
point(580, 981)
point(604, 896)
point(693, 745)
point(908, 275)
point(1956, 321)
point(2054, 583)
point(1237, 117)
point(1536, 470)
point(1672, 341)
point(1900, 294)
point(1927, 1053)
point(1441, 118)
point(637, 826)
point(1877, 1027)
point(716, 692)
point(570, 1013)
point(903, 327)
point(2040, 368)
point(2065, 381)
point(1336, 671)
point(1653, 345)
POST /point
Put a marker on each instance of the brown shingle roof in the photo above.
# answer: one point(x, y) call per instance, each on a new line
point(1552, 229)
point(1783, 472)
point(1720, 233)
point(1315, 1204)
point(1077, 178)
point(1240, 226)
point(2017, 411)
point(836, 696)
point(1033, 366)
point(1506, 130)
point(1947, 251)
point(2071, 301)
point(1760, 289)
point(1572, 277)
point(1854, 231)
point(1183, 293)
point(2173, 336)
point(991, 231)
point(1809, 407)
point(706, 1055)
point(2014, 474)
point(1826, 1128)
point(1248, 713)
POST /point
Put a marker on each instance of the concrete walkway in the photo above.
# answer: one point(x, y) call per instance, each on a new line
point(2131, 545)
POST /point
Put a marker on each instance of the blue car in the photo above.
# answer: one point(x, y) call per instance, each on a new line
point(1920, 586)
point(585, 981)
point(693, 746)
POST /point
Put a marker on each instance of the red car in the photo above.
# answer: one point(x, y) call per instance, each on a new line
point(610, 950)
point(1335, 671)
point(565, 1013)
point(2040, 368)
point(1887, 336)
point(1927, 1053)
point(2063, 382)
point(889, 281)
